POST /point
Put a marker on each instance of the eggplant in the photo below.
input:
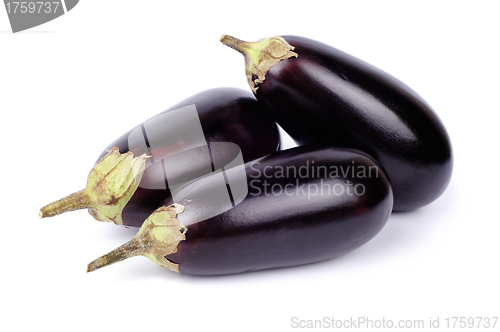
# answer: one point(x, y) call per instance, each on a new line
point(321, 95)
point(297, 206)
point(213, 129)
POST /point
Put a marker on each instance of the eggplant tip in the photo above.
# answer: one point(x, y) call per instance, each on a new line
point(101, 262)
point(260, 55)
point(91, 267)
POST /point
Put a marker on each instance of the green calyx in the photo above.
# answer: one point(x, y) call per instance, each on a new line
point(260, 56)
point(158, 237)
point(110, 185)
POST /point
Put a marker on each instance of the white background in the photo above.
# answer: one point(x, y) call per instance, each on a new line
point(70, 87)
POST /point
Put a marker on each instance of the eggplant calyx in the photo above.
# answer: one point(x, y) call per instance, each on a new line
point(158, 237)
point(110, 185)
point(260, 56)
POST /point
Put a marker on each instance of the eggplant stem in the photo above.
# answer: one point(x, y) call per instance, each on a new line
point(234, 43)
point(260, 56)
point(127, 250)
point(110, 185)
point(158, 237)
point(75, 201)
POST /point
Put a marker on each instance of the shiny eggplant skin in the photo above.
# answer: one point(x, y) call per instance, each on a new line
point(227, 115)
point(327, 96)
point(300, 225)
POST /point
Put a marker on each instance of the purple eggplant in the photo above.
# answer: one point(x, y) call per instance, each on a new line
point(195, 137)
point(319, 94)
point(301, 205)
